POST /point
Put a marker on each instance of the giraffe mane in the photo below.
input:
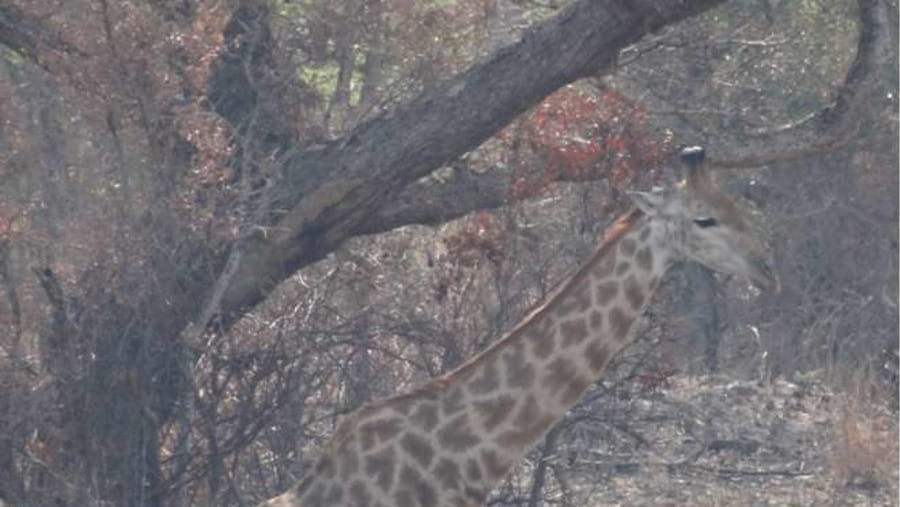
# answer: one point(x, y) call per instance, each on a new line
point(431, 388)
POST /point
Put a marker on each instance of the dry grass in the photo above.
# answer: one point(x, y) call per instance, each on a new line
point(864, 446)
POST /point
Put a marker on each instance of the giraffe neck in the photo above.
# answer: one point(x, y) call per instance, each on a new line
point(451, 441)
point(516, 389)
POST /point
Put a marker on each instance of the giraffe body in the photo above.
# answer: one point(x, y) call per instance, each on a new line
point(449, 442)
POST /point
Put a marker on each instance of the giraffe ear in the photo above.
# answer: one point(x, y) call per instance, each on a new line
point(650, 203)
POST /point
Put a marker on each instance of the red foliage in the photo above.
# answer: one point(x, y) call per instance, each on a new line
point(480, 237)
point(575, 135)
point(477, 243)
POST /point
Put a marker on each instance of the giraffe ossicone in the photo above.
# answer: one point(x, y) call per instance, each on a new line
point(449, 442)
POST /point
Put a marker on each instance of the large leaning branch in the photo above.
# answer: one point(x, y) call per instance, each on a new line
point(433, 201)
point(331, 191)
point(371, 180)
point(436, 200)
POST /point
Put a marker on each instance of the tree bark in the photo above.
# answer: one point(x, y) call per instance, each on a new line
point(833, 126)
point(331, 191)
point(367, 181)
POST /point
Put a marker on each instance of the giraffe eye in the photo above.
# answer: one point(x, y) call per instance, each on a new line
point(706, 222)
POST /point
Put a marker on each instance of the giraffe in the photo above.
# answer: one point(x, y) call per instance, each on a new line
point(449, 442)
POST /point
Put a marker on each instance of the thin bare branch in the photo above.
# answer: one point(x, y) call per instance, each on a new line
point(833, 126)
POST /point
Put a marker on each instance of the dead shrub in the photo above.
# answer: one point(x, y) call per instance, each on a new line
point(864, 446)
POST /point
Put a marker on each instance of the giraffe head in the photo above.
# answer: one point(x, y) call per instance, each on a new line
point(701, 223)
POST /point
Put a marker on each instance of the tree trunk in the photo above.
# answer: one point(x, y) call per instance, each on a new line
point(331, 191)
point(346, 58)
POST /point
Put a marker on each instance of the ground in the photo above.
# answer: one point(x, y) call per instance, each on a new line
point(710, 441)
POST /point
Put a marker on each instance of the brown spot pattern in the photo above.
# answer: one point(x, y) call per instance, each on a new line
point(316, 495)
point(527, 436)
point(417, 447)
point(597, 355)
point(380, 466)
point(573, 332)
point(336, 495)
point(578, 299)
point(303, 486)
point(596, 320)
point(559, 373)
point(606, 292)
point(405, 404)
point(489, 379)
point(645, 233)
point(634, 293)
point(457, 435)
point(404, 498)
point(379, 430)
point(604, 266)
point(529, 410)
point(348, 464)
point(358, 493)
point(448, 474)
point(494, 411)
point(325, 467)
point(574, 389)
point(422, 491)
point(519, 374)
point(563, 380)
point(493, 465)
point(426, 416)
point(644, 258)
point(530, 424)
point(453, 402)
point(627, 246)
point(540, 335)
point(473, 470)
point(477, 495)
point(619, 323)
point(623, 267)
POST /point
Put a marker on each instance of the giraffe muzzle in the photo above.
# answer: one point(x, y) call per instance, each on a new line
point(764, 277)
